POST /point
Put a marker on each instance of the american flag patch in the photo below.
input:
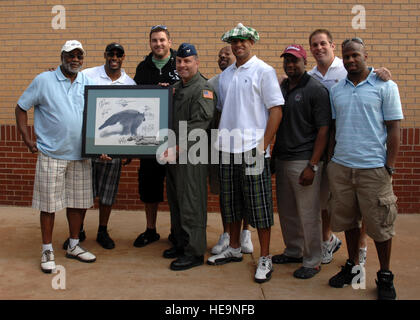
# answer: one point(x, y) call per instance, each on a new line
point(208, 94)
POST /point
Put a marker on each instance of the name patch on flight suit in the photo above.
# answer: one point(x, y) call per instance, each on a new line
point(208, 94)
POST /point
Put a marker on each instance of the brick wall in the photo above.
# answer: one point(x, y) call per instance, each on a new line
point(407, 177)
point(17, 170)
point(30, 45)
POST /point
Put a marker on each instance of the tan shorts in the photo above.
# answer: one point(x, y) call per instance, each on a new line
point(325, 189)
point(362, 193)
point(62, 184)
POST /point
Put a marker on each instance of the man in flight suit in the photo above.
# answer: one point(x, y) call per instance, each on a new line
point(186, 178)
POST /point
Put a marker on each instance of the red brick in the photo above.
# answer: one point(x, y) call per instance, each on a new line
point(410, 136)
point(404, 138)
point(3, 133)
point(8, 133)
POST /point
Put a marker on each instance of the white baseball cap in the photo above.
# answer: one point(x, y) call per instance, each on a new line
point(71, 45)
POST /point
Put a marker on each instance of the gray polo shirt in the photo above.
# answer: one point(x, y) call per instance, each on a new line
point(307, 108)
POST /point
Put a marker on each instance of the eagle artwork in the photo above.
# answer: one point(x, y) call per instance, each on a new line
point(130, 120)
point(127, 122)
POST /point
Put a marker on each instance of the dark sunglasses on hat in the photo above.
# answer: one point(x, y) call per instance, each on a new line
point(356, 39)
point(159, 26)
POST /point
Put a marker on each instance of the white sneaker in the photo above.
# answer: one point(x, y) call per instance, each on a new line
point(362, 256)
point(47, 261)
point(264, 269)
point(80, 254)
point(222, 244)
point(228, 255)
point(246, 243)
point(329, 247)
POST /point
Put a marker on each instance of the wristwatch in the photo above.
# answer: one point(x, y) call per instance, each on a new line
point(390, 170)
point(314, 167)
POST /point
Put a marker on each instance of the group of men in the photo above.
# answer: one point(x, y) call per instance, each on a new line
point(340, 113)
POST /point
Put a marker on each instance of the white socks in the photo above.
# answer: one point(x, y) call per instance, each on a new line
point(73, 243)
point(46, 247)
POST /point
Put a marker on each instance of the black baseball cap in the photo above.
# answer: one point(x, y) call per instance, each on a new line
point(114, 46)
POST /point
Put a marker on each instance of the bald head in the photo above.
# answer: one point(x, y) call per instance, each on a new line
point(354, 57)
point(226, 57)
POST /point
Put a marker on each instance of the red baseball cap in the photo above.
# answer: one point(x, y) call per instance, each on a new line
point(296, 50)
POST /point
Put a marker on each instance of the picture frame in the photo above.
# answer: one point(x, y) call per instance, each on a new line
point(125, 121)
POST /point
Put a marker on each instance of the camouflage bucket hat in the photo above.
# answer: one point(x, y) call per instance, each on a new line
point(241, 32)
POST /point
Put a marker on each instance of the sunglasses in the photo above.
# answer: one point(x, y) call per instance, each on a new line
point(159, 26)
point(356, 39)
point(72, 56)
point(112, 54)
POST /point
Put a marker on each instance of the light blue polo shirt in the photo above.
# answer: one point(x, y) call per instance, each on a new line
point(360, 113)
point(58, 113)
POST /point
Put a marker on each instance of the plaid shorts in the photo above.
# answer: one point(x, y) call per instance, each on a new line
point(106, 178)
point(62, 184)
point(244, 195)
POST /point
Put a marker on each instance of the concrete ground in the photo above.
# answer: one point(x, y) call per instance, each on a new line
point(129, 273)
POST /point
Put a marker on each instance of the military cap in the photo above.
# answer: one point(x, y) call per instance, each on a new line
point(186, 50)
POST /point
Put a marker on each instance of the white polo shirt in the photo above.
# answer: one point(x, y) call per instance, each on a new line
point(99, 76)
point(245, 96)
point(335, 73)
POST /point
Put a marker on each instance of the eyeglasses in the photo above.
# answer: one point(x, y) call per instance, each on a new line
point(159, 26)
point(72, 56)
point(111, 54)
point(356, 39)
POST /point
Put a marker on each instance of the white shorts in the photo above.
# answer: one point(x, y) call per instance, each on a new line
point(62, 184)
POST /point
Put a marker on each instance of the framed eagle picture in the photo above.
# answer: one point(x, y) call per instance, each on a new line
point(125, 121)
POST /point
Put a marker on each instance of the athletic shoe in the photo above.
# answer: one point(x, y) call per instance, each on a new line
point(385, 285)
point(329, 247)
point(362, 256)
point(306, 273)
point(228, 255)
point(82, 237)
point(246, 242)
point(264, 270)
point(222, 244)
point(344, 277)
point(80, 254)
point(47, 261)
point(146, 238)
point(105, 240)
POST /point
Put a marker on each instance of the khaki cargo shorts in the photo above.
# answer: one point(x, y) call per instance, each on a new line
point(358, 194)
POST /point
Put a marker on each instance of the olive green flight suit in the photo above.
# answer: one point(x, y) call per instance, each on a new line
point(186, 184)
